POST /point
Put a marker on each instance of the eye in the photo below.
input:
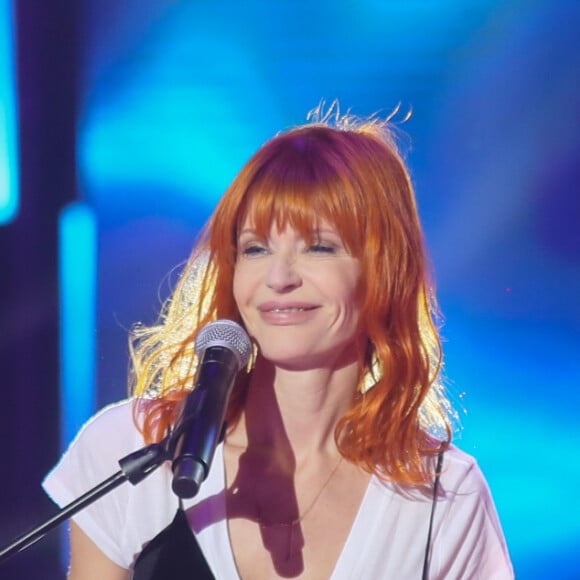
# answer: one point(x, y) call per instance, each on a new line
point(322, 248)
point(326, 243)
point(253, 249)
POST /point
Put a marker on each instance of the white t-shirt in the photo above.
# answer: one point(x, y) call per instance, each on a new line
point(387, 539)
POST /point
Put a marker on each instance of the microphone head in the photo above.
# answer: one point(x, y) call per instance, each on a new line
point(228, 334)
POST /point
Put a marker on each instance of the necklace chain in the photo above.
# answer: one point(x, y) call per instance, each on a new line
point(308, 509)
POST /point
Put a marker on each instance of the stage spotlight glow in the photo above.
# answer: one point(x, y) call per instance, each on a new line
point(78, 267)
point(9, 196)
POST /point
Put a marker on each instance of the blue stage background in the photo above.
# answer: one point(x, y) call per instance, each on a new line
point(173, 97)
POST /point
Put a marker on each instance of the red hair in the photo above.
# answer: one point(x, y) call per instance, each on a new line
point(353, 177)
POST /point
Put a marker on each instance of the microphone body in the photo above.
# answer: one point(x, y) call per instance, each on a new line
point(223, 348)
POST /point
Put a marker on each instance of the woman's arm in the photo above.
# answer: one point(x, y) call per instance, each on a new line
point(88, 562)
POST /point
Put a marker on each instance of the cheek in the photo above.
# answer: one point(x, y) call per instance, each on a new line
point(237, 287)
point(351, 299)
point(242, 286)
point(350, 289)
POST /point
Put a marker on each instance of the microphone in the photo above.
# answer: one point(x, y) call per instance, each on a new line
point(223, 348)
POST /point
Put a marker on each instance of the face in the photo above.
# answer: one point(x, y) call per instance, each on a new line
point(298, 300)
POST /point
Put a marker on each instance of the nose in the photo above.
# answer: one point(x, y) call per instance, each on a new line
point(283, 275)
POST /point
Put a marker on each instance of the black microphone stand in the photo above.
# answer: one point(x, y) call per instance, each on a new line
point(134, 468)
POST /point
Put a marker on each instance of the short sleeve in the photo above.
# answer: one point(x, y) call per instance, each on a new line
point(469, 541)
point(123, 520)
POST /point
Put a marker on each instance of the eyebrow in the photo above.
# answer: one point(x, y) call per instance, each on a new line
point(246, 231)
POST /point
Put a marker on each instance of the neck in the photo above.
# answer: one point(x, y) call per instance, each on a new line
point(293, 414)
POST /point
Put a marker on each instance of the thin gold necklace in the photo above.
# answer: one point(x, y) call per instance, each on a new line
point(291, 525)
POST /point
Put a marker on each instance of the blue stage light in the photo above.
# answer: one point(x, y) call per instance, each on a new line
point(9, 197)
point(78, 267)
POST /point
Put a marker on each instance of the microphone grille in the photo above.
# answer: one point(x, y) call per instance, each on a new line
point(228, 334)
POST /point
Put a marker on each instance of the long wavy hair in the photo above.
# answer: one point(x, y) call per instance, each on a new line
point(350, 173)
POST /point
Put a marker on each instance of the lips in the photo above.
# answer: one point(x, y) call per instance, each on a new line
point(287, 313)
point(285, 307)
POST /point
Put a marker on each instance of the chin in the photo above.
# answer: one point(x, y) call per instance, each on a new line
point(289, 360)
point(304, 359)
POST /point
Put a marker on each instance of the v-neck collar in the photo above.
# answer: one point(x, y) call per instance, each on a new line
point(211, 525)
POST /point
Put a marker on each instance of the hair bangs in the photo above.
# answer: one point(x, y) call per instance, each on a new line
point(303, 194)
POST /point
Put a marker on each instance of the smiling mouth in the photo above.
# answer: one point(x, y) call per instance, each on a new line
point(293, 309)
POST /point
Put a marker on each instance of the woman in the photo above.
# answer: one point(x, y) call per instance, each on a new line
point(336, 462)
